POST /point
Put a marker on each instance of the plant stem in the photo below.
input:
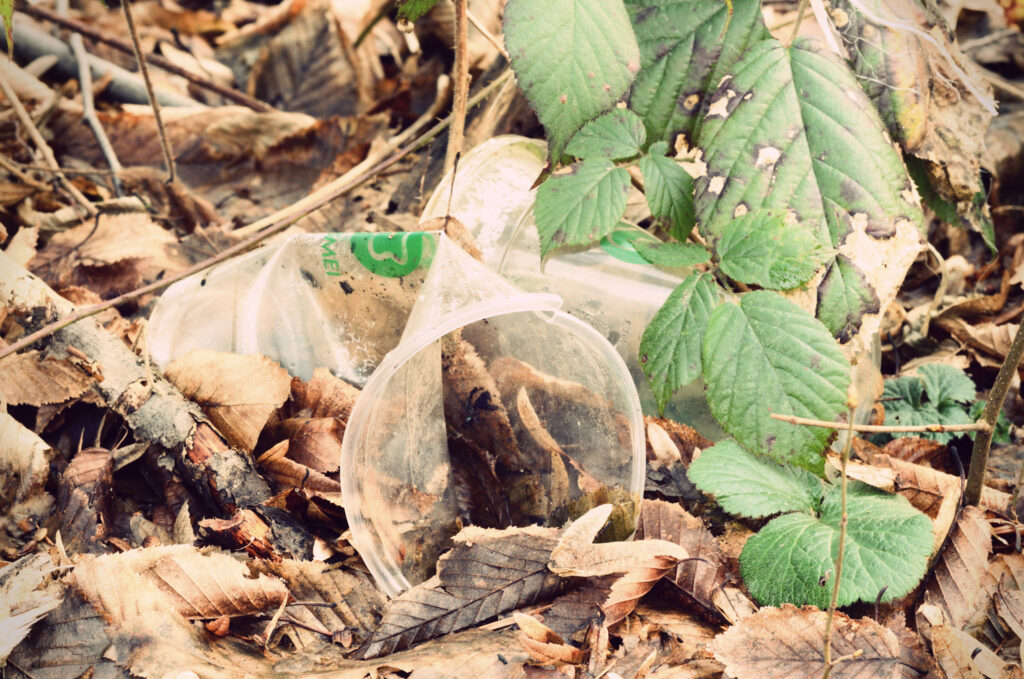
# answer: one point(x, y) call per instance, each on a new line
point(842, 546)
point(799, 20)
point(460, 76)
point(172, 170)
point(981, 425)
point(983, 441)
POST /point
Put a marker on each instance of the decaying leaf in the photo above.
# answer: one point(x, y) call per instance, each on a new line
point(197, 584)
point(704, 571)
point(287, 472)
point(956, 580)
point(24, 601)
point(323, 396)
point(29, 378)
point(544, 645)
point(487, 573)
point(237, 392)
point(24, 466)
point(786, 643)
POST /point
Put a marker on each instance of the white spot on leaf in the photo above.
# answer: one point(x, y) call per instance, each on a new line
point(716, 185)
point(766, 157)
point(740, 210)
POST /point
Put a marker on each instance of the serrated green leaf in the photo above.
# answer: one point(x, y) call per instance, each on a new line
point(792, 559)
point(685, 48)
point(888, 542)
point(754, 487)
point(844, 296)
point(944, 383)
point(580, 205)
point(412, 10)
point(792, 129)
point(672, 255)
point(907, 390)
point(669, 190)
point(768, 355)
point(615, 135)
point(763, 248)
point(670, 349)
point(573, 60)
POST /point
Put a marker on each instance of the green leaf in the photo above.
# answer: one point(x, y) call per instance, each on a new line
point(670, 349)
point(792, 129)
point(669, 190)
point(844, 296)
point(614, 135)
point(907, 390)
point(671, 255)
point(792, 559)
point(411, 10)
point(754, 487)
point(764, 248)
point(573, 60)
point(768, 355)
point(685, 48)
point(581, 204)
point(944, 383)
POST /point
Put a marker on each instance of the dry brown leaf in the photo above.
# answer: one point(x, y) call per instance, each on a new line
point(570, 614)
point(353, 602)
point(196, 584)
point(289, 473)
point(955, 583)
point(786, 643)
point(317, 444)
point(916, 450)
point(510, 374)
point(24, 464)
point(531, 422)
point(926, 488)
point(30, 379)
point(952, 655)
point(237, 392)
point(24, 602)
point(684, 439)
point(699, 576)
point(986, 340)
point(22, 245)
point(487, 573)
point(323, 396)
point(544, 645)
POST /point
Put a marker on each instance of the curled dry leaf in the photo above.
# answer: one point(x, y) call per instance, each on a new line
point(196, 584)
point(534, 427)
point(544, 645)
point(24, 466)
point(25, 602)
point(323, 396)
point(487, 573)
point(511, 374)
point(246, 531)
point(317, 444)
point(286, 472)
point(703, 573)
point(786, 643)
point(237, 392)
point(956, 581)
point(30, 379)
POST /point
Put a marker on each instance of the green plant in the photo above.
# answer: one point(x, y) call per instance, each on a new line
point(767, 166)
point(938, 395)
point(791, 559)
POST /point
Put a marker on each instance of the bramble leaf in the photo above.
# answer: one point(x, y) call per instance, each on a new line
point(768, 355)
point(763, 248)
point(685, 48)
point(671, 255)
point(669, 190)
point(670, 349)
point(573, 60)
point(615, 135)
point(792, 559)
point(751, 486)
point(844, 296)
point(412, 10)
point(944, 383)
point(580, 205)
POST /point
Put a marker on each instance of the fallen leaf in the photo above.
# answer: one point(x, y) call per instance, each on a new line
point(786, 643)
point(955, 583)
point(29, 378)
point(487, 573)
point(317, 444)
point(286, 472)
point(24, 463)
point(196, 584)
point(323, 396)
point(237, 392)
point(24, 602)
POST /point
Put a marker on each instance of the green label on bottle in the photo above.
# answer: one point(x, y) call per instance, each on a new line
point(389, 254)
point(619, 244)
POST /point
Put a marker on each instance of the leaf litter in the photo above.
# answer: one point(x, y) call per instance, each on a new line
point(108, 523)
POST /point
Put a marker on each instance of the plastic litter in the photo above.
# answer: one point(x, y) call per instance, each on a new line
point(480, 402)
point(610, 286)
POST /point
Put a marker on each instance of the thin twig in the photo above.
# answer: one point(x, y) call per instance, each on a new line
point(799, 20)
point(1000, 83)
point(154, 59)
point(840, 547)
point(983, 441)
point(460, 76)
point(88, 105)
point(44, 148)
point(14, 168)
point(275, 223)
point(490, 37)
point(172, 170)
point(885, 428)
